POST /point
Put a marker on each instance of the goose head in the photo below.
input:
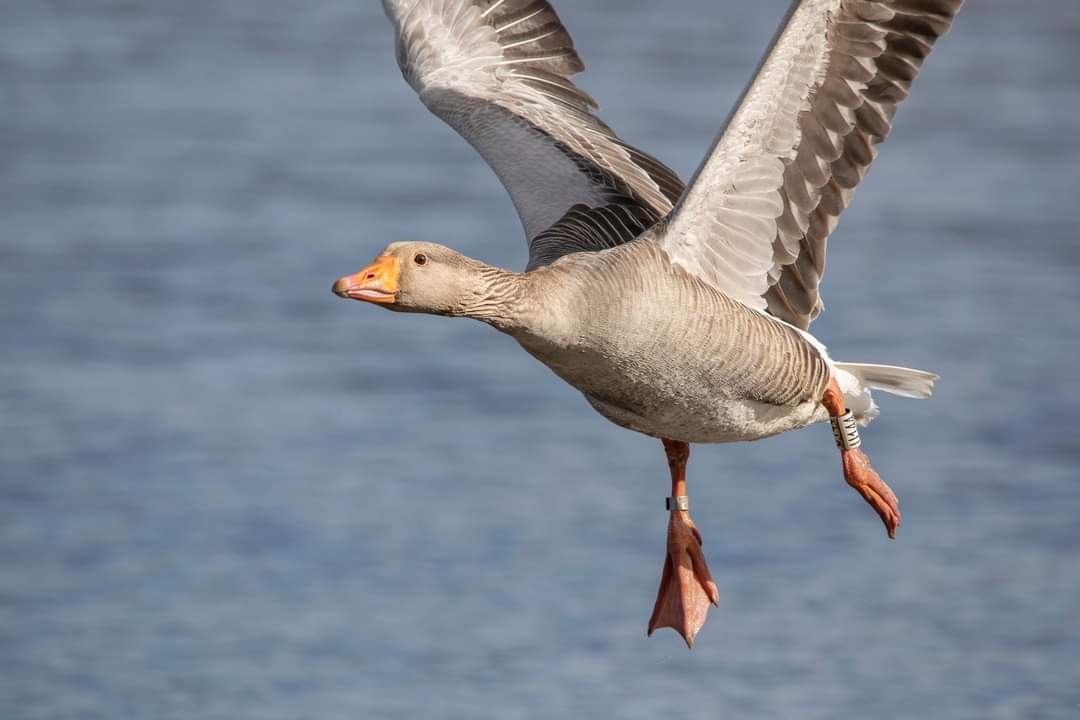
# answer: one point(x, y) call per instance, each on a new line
point(423, 277)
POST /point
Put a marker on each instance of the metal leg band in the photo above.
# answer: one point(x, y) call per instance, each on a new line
point(846, 431)
point(679, 502)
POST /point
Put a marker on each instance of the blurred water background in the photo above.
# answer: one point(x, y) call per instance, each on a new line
point(225, 493)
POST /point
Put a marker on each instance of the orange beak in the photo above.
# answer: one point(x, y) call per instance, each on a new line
point(377, 283)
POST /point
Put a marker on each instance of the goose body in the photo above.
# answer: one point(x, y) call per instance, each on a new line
point(713, 371)
point(680, 312)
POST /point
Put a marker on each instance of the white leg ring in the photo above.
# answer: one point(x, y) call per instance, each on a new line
point(679, 502)
point(846, 431)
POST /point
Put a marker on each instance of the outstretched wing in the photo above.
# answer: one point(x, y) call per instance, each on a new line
point(498, 72)
point(755, 220)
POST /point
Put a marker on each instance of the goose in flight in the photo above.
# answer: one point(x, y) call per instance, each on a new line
point(679, 312)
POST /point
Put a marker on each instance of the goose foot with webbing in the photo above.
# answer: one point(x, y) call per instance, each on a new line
point(858, 472)
point(686, 585)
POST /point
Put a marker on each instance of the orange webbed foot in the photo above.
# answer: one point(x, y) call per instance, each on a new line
point(861, 475)
point(686, 585)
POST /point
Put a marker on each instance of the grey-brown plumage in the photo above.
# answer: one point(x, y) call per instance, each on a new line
point(685, 322)
point(659, 351)
point(653, 348)
point(691, 327)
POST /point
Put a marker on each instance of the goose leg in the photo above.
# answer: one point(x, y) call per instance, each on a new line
point(686, 585)
point(858, 472)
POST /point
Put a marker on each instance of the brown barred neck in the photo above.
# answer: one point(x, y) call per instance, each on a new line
point(496, 296)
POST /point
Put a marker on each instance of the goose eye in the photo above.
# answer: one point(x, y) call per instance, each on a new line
point(420, 259)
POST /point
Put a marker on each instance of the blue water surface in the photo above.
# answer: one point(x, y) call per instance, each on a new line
point(225, 493)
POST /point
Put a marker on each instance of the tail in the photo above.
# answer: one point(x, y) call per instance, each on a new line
point(856, 380)
point(901, 381)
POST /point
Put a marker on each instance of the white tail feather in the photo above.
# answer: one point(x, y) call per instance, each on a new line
point(857, 379)
point(902, 381)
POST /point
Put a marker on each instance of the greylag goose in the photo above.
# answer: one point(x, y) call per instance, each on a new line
point(680, 313)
